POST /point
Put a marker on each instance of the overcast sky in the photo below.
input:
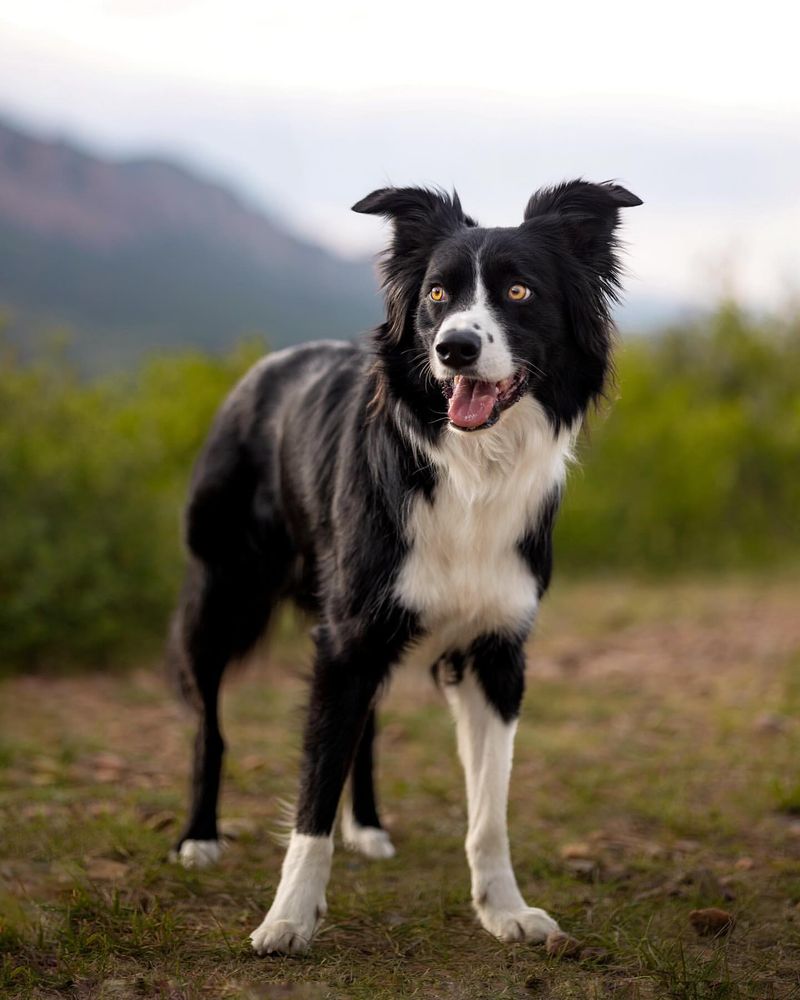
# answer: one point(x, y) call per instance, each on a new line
point(307, 106)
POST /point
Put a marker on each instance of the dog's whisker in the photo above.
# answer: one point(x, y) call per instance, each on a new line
point(532, 368)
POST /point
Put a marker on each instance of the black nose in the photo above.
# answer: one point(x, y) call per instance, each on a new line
point(459, 348)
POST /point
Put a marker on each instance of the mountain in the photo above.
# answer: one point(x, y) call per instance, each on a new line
point(136, 255)
point(142, 254)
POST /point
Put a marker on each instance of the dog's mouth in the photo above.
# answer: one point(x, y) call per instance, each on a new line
point(474, 404)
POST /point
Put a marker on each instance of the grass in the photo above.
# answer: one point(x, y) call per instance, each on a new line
point(656, 772)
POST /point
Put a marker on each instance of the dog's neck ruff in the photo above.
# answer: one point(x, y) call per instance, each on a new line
point(464, 574)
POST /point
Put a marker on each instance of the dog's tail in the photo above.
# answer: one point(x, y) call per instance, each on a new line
point(179, 666)
point(241, 558)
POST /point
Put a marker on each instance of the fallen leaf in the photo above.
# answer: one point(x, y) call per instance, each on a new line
point(561, 945)
point(712, 921)
point(576, 851)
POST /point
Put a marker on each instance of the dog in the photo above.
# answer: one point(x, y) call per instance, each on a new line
point(404, 489)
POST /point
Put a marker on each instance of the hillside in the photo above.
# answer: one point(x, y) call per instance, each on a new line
point(137, 254)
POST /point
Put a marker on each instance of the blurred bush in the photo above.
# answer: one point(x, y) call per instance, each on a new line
point(92, 482)
point(693, 469)
point(696, 466)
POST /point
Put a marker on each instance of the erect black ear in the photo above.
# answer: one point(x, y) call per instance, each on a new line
point(421, 219)
point(432, 212)
point(583, 217)
point(588, 215)
point(581, 197)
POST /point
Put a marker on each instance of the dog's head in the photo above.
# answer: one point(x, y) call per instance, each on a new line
point(493, 314)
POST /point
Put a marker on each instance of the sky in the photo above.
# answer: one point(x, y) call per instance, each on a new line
point(307, 107)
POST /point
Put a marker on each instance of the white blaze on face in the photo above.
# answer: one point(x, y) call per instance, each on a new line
point(494, 362)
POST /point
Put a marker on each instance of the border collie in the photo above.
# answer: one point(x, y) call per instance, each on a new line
point(403, 489)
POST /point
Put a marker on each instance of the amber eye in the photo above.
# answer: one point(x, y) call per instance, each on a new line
point(438, 294)
point(518, 292)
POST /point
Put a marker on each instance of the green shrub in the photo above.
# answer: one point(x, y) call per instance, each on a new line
point(695, 467)
point(92, 479)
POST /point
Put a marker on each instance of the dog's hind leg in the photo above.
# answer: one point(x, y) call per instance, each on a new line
point(362, 830)
point(240, 562)
point(485, 703)
point(217, 621)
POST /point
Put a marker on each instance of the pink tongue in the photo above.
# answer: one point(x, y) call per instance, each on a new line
point(472, 402)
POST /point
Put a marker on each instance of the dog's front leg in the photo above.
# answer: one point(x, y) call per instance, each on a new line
point(342, 691)
point(485, 704)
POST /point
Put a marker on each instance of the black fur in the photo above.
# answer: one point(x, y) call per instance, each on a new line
point(305, 484)
point(365, 807)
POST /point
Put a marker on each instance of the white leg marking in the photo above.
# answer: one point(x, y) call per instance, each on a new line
point(299, 903)
point(371, 841)
point(486, 747)
point(198, 853)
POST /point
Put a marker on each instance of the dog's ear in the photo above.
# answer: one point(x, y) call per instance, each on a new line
point(584, 217)
point(421, 213)
point(421, 218)
point(588, 214)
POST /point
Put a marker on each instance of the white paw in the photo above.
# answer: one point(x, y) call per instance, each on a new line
point(371, 841)
point(284, 937)
point(299, 903)
point(529, 924)
point(197, 853)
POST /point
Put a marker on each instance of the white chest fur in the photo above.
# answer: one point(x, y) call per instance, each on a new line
point(463, 574)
